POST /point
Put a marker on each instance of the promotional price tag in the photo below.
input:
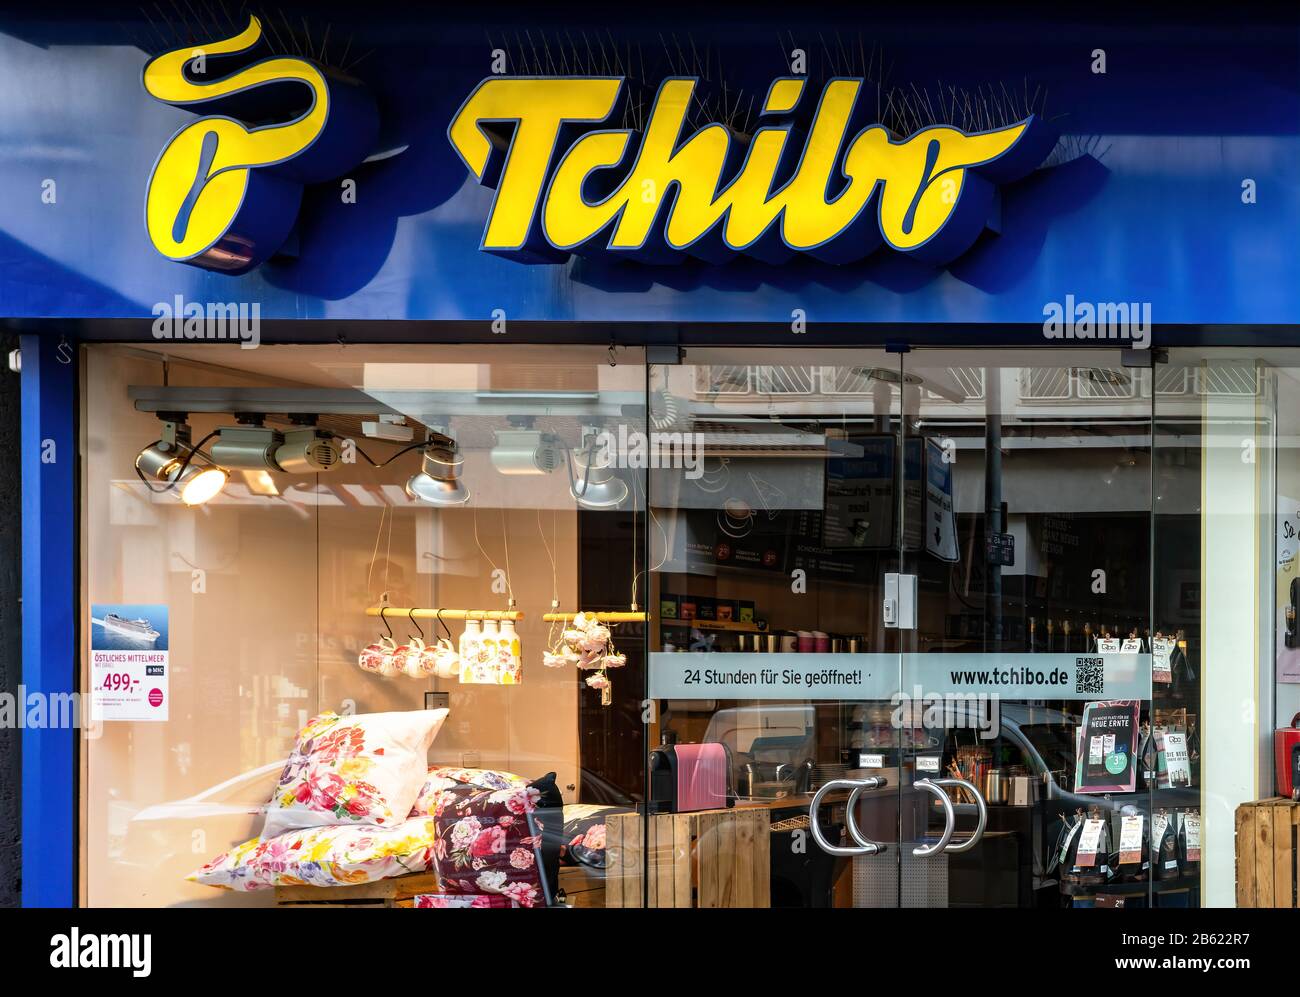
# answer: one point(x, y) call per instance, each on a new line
point(1130, 840)
point(1192, 835)
point(1162, 648)
point(1090, 842)
point(1158, 824)
point(1065, 847)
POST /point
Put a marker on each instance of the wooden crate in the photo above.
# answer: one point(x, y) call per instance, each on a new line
point(1267, 851)
point(581, 887)
point(713, 858)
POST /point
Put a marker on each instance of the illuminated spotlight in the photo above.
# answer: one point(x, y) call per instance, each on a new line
point(172, 460)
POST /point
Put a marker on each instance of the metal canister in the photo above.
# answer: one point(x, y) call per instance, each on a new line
point(1019, 791)
point(995, 787)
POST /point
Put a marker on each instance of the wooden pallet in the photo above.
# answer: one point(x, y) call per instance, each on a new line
point(399, 891)
point(1267, 851)
point(581, 889)
point(712, 858)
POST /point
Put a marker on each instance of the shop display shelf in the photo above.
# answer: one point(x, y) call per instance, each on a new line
point(397, 891)
point(1168, 799)
point(1133, 889)
point(578, 887)
point(733, 626)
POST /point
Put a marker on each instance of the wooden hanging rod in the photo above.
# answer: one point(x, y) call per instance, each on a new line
point(602, 617)
point(404, 613)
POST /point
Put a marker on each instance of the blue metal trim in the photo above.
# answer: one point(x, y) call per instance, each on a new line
point(49, 642)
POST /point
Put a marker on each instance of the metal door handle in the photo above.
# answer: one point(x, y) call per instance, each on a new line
point(865, 846)
point(980, 807)
point(868, 846)
point(933, 786)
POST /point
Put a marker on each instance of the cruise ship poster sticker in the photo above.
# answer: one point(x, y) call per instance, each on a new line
point(128, 662)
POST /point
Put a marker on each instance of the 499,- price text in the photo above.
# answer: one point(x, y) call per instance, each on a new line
point(118, 682)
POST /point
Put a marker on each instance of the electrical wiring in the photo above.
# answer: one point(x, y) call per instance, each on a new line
point(392, 457)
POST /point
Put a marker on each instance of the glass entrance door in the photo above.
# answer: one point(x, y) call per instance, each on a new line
point(901, 649)
point(1027, 669)
point(774, 521)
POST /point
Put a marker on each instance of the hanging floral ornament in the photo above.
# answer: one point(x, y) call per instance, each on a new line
point(588, 644)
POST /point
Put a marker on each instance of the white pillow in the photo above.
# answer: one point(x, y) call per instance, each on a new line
point(363, 769)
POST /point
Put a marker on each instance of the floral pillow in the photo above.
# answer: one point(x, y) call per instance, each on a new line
point(363, 769)
point(442, 777)
point(584, 834)
point(488, 841)
point(340, 855)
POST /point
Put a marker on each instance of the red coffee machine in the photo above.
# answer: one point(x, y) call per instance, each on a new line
point(1287, 740)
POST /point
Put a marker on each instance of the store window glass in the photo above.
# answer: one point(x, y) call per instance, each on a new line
point(859, 629)
point(1226, 521)
point(355, 492)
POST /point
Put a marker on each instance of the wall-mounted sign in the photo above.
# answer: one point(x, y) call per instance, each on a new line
point(225, 192)
point(818, 184)
point(129, 667)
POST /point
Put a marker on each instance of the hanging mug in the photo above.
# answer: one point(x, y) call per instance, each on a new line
point(442, 661)
point(391, 662)
point(412, 663)
point(372, 656)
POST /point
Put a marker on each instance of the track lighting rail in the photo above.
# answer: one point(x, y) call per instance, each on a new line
point(418, 404)
point(286, 401)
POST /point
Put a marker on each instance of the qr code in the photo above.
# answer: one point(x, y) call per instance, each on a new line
point(1090, 677)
